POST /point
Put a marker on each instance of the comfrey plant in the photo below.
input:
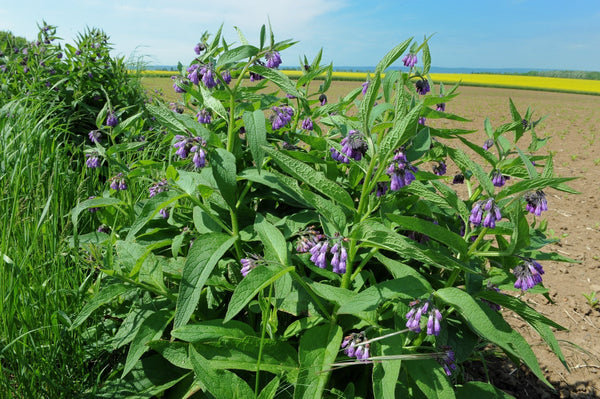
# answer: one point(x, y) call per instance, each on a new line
point(306, 235)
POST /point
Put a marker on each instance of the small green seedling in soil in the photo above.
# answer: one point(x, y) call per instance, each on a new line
point(592, 300)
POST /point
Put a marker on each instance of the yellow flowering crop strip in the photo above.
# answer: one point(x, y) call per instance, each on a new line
point(585, 86)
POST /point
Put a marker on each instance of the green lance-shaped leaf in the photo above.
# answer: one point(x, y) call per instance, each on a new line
point(277, 77)
point(151, 208)
point(256, 134)
point(403, 130)
point(269, 391)
point(151, 329)
point(212, 330)
point(532, 184)
point(236, 54)
point(213, 103)
point(432, 230)
point(393, 55)
point(489, 325)
point(463, 161)
point(273, 241)
point(385, 373)
point(101, 298)
point(224, 172)
point(222, 384)
point(318, 349)
point(421, 143)
point(366, 105)
point(92, 203)
point(206, 251)
point(537, 320)
point(426, 58)
point(407, 287)
point(258, 279)
point(431, 379)
point(313, 178)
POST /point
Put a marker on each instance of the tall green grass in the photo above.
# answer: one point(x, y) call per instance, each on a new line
point(40, 283)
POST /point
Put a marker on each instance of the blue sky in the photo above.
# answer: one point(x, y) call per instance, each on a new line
point(481, 34)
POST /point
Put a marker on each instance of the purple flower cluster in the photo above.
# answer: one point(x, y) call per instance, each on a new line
point(441, 107)
point(195, 145)
point(422, 87)
point(440, 168)
point(118, 182)
point(308, 240)
point(254, 77)
point(198, 48)
point(365, 87)
point(250, 263)
point(204, 116)
point(498, 179)
point(307, 124)
point(95, 136)
point(273, 59)
point(206, 73)
point(422, 120)
point(226, 76)
point(381, 189)
point(491, 211)
point(281, 116)
point(536, 202)
point(353, 146)
point(354, 346)
point(417, 310)
point(528, 274)
point(447, 360)
point(177, 83)
point(322, 99)
point(488, 144)
point(339, 252)
point(92, 160)
point(401, 172)
point(111, 120)
point(410, 60)
point(158, 187)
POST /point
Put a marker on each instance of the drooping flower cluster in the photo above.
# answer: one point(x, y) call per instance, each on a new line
point(204, 116)
point(178, 83)
point(281, 116)
point(92, 160)
point(488, 144)
point(459, 178)
point(111, 120)
point(447, 360)
point(354, 347)
point(498, 179)
point(322, 99)
point(422, 120)
point(365, 87)
point(422, 86)
point(528, 274)
point(250, 263)
point(158, 187)
point(118, 182)
point(307, 124)
point(208, 76)
point(440, 168)
point(353, 146)
point(198, 48)
point(254, 77)
point(95, 136)
point(410, 60)
point(536, 202)
point(319, 246)
point(273, 59)
point(400, 171)
point(441, 107)
point(308, 240)
point(195, 145)
point(226, 76)
point(491, 211)
point(417, 311)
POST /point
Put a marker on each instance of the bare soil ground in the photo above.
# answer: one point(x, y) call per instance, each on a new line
point(573, 125)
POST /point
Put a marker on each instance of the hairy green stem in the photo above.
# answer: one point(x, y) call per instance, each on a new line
point(263, 332)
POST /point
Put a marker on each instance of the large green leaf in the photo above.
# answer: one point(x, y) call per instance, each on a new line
point(273, 241)
point(366, 105)
point(224, 172)
point(532, 184)
point(403, 130)
point(318, 349)
point(206, 251)
point(279, 78)
point(103, 297)
point(392, 55)
point(489, 325)
point(151, 329)
point(432, 230)
point(236, 54)
point(479, 390)
point(431, 379)
point(313, 178)
point(151, 209)
point(407, 287)
point(212, 330)
point(258, 279)
point(222, 384)
point(256, 134)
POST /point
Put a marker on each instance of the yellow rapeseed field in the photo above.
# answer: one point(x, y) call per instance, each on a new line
point(468, 79)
